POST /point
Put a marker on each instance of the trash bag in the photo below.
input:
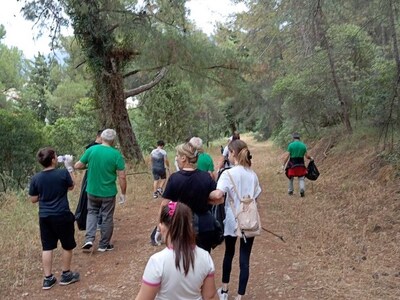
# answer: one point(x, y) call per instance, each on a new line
point(312, 171)
point(81, 209)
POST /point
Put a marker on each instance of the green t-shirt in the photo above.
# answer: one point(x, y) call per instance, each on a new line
point(205, 163)
point(297, 149)
point(103, 163)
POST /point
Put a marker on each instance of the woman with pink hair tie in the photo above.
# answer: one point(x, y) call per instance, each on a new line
point(182, 271)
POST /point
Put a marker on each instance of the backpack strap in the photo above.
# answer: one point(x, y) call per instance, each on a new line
point(231, 199)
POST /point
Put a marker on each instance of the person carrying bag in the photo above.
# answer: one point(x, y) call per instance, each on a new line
point(238, 181)
point(247, 217)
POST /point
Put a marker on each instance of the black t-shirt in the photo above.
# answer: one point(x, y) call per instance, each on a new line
point(52, 187)
point(190, 187)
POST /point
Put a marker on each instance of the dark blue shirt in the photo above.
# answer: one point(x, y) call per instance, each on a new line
point(52, 187)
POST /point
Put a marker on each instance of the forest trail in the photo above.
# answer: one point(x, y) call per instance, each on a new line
point(301, 267)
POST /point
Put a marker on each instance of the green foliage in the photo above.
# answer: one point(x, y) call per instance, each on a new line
point(2, 32)
point(21, 138)
point(378, 92)
point(37, 92)
point(65, 96)
point(71, 134)
point(274, 69)
point(11, 66)
point(166, 113)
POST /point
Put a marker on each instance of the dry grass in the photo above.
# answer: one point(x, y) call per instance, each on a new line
point(20, 239)
point(347, 229)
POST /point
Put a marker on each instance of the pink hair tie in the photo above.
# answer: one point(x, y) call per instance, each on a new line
point(171, 208)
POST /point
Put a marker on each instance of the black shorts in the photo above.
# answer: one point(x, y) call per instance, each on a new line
point(54, 228)
point(159, 174)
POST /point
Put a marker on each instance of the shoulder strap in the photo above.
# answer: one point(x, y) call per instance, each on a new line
point(234, 185)
point(231, 199)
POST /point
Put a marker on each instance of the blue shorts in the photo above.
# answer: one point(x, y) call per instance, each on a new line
point(54, 228)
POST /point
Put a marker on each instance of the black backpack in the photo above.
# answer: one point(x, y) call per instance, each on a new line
point(312, 171)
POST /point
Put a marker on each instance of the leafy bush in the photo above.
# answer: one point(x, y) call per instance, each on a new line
point(21, 138)
point(71, 135)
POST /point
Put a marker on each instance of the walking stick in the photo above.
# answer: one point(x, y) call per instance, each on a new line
point(278, 236)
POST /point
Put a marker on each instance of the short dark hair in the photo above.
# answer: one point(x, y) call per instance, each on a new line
point(296, 136)
point(45, 156)
point(99, 132)
point(235, 136)
point(160, 143)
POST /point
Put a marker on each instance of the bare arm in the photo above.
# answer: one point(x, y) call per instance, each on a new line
point(220, 163)
point(216, 197)
point(79, 165)
point(208, 290)
point(147, 292)
point(122, 181)
point(34, 199)
point(73, 181)
point(285, 158)
point(211, 174)
point(166, 162)
point(308, 156)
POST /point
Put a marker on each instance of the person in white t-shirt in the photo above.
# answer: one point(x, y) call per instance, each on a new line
point(182, 271)
point(246, 182)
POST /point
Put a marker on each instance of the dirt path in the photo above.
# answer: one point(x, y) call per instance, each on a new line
point(279, 270)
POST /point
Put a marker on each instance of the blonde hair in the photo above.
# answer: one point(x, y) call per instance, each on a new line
point(188, 150)
point(241, 152)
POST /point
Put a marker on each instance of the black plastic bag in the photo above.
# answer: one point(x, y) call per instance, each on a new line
point(312, 171)
point(81, 209)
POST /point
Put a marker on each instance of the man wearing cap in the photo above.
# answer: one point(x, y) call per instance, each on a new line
point(106, 164)
point(294, 163)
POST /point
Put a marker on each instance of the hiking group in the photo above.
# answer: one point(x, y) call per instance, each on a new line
point(186, 223)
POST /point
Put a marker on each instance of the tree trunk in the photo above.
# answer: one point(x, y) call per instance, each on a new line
point(115, 114)
point(325, 43)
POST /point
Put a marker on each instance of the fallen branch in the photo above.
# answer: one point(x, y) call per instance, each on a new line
point(274, 234)
point(136, 173)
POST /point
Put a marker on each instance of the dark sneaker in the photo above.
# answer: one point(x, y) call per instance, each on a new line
point(109, 247)
point(155, 195)
point(159, 191)
point(290, 193)
point(302, 194)
point(87, 246)
point(49, 282)
point(69, 277)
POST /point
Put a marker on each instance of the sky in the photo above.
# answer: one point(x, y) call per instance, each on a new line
point(22, 34)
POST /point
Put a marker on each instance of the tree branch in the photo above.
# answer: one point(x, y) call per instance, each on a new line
point(133, 72)
point(147, 86)
point(229, 67)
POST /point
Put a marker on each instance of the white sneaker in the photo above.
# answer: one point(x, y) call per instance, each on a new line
point(222, 296)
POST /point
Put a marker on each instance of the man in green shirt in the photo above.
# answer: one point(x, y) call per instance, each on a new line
point(294, 163)
point(106, 165)
point(204, 160)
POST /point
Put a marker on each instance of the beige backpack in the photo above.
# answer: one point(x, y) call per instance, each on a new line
point(248, 222)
